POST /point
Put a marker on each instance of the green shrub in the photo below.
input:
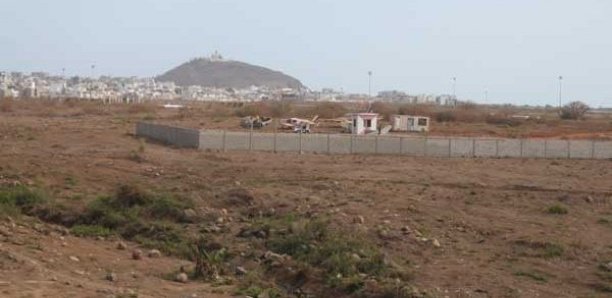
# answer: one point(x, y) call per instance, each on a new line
point(537, 276)
point(538, 249)
point(557, 209)
point(446, 116)
point(135, 214)
point(90, 231)
point(14, 200)
point(208, 262)
point(342, 257)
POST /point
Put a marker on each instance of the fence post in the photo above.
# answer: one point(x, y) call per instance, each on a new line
point(521, 152)
point(545, 148)
point(301, 141)
point(328, 146)
point(425, 146)
point(223, 146)
point(569, 150)
point(275, 141)
point(450, 150)
point(592, 149)
point(474, 148)
point(401, 151)
point(376, 145)
point(496, 148)
point(351, 144)
point(251, 138)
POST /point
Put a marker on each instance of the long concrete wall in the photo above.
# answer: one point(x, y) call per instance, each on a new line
point(349, 144)
point(180, 137)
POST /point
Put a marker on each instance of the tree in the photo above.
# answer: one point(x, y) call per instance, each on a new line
point(574, 110)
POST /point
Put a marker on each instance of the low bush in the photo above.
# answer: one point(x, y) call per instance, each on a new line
point(574, 110)
point(538, 249)
point(138, 215)
point(446, 116)
point(15, 200)
point(557, 209)
point(90, 231)
point(343, 258)
point(327, 110)
point(537, 276)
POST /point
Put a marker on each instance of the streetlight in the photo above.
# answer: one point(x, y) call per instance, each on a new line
point(455, 91)
point(560, 89)
point(369, 85)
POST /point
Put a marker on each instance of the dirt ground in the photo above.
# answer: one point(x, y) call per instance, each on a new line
point(462, 227)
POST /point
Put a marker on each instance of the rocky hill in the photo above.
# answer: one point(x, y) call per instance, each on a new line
point(227, 74)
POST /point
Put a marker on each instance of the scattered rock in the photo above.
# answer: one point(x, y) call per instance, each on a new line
point(359, 220)
point(406, 230)
point(154, 253)
point(608, 266)
point(356, 257)
point(238, 197)
point(79, 272)
point(121, 245)
point(435, 243)
point(589, 199)
point(241, 271)
point(190, 215)
point(137, 254)
point(111, 276)
point(276, 260)
point(74, 259)
point(181, 277)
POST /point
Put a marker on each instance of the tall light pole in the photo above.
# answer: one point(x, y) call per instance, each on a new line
point(486, 96)
point(369, 85)
point(560, 89)
point(454, 91)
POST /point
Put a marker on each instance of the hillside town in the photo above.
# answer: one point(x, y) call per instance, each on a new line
point(133, 89)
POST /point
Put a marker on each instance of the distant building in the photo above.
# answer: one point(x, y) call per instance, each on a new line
point(410, 123)
point(363, 123)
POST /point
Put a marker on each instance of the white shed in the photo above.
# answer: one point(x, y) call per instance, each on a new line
point(410, 123)
point(363, 123)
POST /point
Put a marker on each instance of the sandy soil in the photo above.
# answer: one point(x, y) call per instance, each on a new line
point(488, 215)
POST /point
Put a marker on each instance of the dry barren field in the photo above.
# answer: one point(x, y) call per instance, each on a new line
point(74, 182)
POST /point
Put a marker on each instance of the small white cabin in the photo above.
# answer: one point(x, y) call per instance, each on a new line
point(410, 123)
point(363, 123)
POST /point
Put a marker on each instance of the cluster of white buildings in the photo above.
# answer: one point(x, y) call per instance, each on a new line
point(108, 89)
point(328, 94)
point(133, 89)
point(119, 89)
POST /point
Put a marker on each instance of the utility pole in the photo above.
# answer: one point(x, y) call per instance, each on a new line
point(369, 91)
point(455, 91)
point(369, 85)
point(486, 96)
point(560, 89)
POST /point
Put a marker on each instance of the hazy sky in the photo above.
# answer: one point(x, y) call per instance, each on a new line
point(514, 49)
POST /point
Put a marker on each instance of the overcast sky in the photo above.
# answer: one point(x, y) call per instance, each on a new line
point(514, 49)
